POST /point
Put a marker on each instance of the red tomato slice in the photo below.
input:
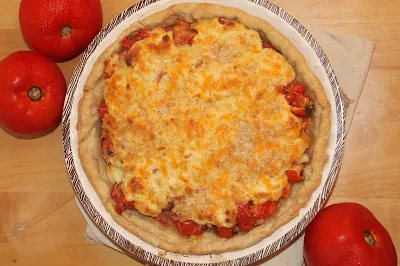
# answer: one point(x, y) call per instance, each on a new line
point(299, 111)
point(302, 106)
point(127, 43)
point(302, 100)
point(291, 84)
point(182, 23)
point(295, 92)
point(168, 28)
point(272, 208)
point(190, 228)
point(281, 89)
point(228, 23)
point(107, 147)
point(183, 33)
point(127, 205)
point(103, 109)
point(265, 210)
point(130, 40)
point(293, 176)
point(106, 75)
point(162, 218)
point(116, 192)
point(269, 45)
point(245, 220)
point(225, 232)
point(298, 88)
point(290, 98)
point(261, 211)
point(286, 191)
point(118, 196)
point(143, 33)
point(175, 217)
point(120, 206)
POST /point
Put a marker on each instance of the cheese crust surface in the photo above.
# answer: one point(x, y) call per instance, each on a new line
point(201, 127)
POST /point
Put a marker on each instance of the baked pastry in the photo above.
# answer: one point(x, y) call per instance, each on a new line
point(203, 129)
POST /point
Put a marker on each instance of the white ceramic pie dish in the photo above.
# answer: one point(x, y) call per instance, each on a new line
point(126, 241)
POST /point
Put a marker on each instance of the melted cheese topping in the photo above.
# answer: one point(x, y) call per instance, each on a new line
point(201, 126)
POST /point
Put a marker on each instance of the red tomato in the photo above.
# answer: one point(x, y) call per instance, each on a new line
point(286, 191)
point(281, 89)
point(190, 228)
point(168, 28)
point(162, 218)
point(130, 40)
point(265, 210)
point(245, 220)
point(118, 196)
point(290, 98)
point(294, 95)
point(293, 85)
point(103, 109)
point(268, 45)
point(126, 205)
point(107, 147)
point(116, 192)
point(60, 29)
point(303, 101)
point(302, 106)
point(348, 234)
point(298, 88)
point(183, 33)
point(298, 111)
point(175, 217)
point(33, 90)
point(225, 232)
point(293, 176)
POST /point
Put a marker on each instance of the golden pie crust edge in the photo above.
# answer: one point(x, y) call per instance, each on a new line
point(149, 230)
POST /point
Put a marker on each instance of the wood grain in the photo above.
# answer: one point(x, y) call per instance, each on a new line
point(40, 224)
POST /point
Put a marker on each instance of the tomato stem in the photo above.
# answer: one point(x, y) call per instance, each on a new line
point(66, 31)
point(35, 93)
point(369, 237)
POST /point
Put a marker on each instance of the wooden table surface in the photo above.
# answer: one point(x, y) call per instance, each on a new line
point(41, 225)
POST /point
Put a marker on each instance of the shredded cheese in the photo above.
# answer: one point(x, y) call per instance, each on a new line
point(201, 125)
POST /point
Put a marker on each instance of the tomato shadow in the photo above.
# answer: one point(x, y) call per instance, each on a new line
point(28, 136)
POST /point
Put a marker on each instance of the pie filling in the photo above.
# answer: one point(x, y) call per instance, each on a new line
point(204, 126)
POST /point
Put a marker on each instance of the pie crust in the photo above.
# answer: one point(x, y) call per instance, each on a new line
point(89, 127)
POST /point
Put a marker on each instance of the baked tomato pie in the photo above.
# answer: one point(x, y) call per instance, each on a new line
point(203, 129)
